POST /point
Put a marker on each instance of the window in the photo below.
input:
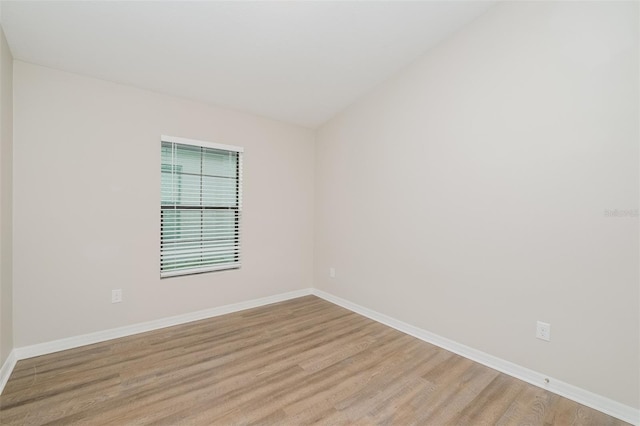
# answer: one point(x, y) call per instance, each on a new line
point(200, 208)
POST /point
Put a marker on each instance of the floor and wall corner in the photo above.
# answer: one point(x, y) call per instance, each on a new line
point(463, 200)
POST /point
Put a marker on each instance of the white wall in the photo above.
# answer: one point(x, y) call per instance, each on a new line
point(6, 170)
point(87, 198)
point(467, 196)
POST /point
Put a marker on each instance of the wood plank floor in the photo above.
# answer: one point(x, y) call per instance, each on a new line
point(297, 362)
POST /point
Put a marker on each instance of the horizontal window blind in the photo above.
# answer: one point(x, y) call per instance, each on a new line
point(201, 206)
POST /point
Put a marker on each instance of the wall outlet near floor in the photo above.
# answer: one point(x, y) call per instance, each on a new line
point(116, 296)
point(543, 331)
point(332, 272)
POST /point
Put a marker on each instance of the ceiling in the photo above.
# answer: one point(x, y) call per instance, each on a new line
point(298, 62)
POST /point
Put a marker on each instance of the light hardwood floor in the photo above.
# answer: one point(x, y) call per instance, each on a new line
point(297, 362)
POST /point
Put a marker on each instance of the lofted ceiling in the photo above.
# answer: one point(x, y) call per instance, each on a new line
point(298, 62)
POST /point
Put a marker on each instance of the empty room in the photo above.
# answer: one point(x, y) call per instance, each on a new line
point(319, 212)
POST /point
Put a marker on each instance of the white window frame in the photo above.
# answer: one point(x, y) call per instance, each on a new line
point(238, 208)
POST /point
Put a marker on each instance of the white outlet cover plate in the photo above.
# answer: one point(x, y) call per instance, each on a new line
point(543, 331)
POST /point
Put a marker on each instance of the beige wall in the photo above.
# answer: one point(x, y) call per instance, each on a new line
point(87, 197)
point(467, 196)
point(6, 203)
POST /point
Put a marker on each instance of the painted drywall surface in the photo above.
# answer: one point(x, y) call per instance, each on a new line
point(476, 192)
point(87, 198)
point(6, 231)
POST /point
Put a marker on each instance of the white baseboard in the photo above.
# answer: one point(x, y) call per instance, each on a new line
point(7, 369)
point(582, 396)
point(101, 336)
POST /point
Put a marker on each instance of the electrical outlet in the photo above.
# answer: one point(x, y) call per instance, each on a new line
point(543, 331)
point(332, 272)
point(116, 296)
